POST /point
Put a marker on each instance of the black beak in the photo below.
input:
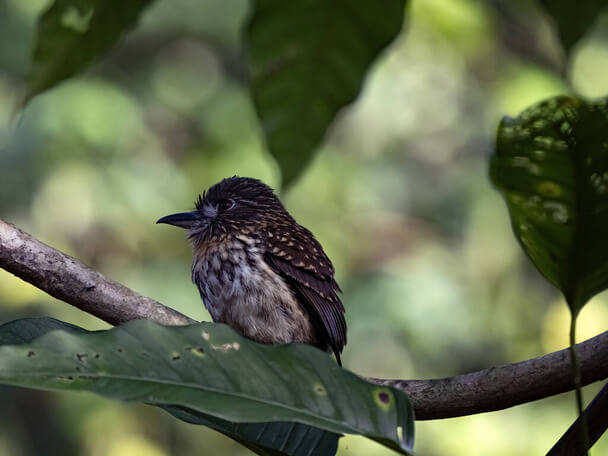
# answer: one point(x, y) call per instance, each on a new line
point(183, 219)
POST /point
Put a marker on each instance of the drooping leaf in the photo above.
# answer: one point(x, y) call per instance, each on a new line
point(266, 439)
point(307, 60)
point(572, 19)
point(26, 330)
point(210, 369)
point(551, 164)
point(273, 438)
point(73, 33)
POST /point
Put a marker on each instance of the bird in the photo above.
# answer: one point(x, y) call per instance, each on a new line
point(259, 271)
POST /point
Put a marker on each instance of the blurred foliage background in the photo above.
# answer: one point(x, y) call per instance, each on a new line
point(434, 281)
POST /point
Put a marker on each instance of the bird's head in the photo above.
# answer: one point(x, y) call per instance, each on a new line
point(233, 205)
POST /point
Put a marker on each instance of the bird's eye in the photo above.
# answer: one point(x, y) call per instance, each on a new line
point(225, 204)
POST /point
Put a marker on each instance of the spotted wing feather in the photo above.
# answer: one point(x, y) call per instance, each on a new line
point(299, 258)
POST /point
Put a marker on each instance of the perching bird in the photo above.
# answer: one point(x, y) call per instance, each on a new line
point(260, 272)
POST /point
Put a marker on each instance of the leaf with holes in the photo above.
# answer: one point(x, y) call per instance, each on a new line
point(210, 369)
point(551, 164)
point(573, 19)
point(307, 60)
point(265, 439)
point(73, 33)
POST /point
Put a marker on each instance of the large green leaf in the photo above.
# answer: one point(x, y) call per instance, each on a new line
point(266, 439)
point(551, 164)
point(210, 369)
point(307, 60)
point(73, 33)
point(573, 18)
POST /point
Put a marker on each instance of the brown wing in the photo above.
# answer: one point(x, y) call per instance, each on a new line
point(299, 258)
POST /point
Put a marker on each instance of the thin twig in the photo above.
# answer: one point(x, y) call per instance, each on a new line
point(596, 413)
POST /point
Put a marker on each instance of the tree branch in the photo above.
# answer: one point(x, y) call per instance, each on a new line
point(506, 385)
point(491, 389)
point(68, 279)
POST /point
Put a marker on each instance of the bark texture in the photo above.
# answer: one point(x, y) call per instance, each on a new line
point(68, 279)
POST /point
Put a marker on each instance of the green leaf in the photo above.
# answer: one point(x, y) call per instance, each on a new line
point(266, 439)
point(551, 164)
point(307, 60)
point(26, 330)
point(73, 33)
point(274, 439)
point(210, 369)
point(573, 19)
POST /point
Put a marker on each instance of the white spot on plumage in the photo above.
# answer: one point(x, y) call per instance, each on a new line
point(246, 239)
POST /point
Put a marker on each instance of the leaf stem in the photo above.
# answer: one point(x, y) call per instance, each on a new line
point(576, 374)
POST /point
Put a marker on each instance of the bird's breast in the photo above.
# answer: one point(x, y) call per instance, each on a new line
point(238, 288)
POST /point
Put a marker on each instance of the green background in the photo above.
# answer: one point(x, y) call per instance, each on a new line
point(434, 281)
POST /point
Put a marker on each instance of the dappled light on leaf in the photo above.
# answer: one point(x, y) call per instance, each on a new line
point(551, 164)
